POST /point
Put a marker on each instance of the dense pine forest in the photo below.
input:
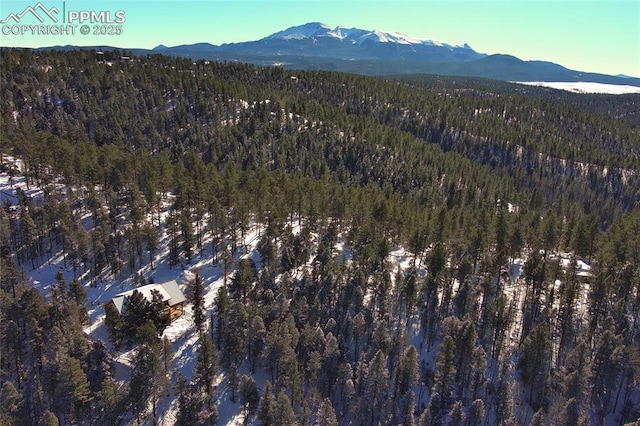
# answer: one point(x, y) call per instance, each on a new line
point(414, 250)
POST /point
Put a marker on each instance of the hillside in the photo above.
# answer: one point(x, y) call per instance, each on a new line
point(353, 249)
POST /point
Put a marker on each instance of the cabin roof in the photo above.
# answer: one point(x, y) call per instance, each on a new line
point(170, 292)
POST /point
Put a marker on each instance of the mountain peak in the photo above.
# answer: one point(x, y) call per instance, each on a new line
point(307, 30)
point(355, 36)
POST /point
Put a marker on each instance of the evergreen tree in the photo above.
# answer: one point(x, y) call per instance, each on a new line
point(234, 333)
point(152, 240)
point(136, 310)
point(504, 404)
point(206, 365)
point(147, 381)
point(283, 412)
point(115, 324)
point(407, 371)
point(444, 378)
point(156, 308)
point(326, 416)
point(267, 407)
point(256, 336)
point(186, 413)
point(71, 394)
point(376, 384)
point(166, 354)
point(456, 415)
point(476, 413)
point(223, 304)
point(100, 366)
point(49, 419)
point(502, 237)
point(78, 293)
point(244, 278)
point(11, 405)
point(197, 301)
point(249, 397)
point(186, 229)
point(605, 371)
point(227, 261)
point(572, 415)
point(534, 363)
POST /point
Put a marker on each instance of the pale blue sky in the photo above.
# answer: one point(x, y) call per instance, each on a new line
point(597, 36)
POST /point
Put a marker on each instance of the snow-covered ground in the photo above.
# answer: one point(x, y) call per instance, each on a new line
point(585, 87)
point(100, 290)
point(182, 331)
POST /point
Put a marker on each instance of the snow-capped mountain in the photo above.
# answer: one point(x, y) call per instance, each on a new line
point(318, 46)
point(315, 30)
point(318, 40)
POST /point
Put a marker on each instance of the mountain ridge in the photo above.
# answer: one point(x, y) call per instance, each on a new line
point(320, 40)
point(318, 46)
point(355, 35)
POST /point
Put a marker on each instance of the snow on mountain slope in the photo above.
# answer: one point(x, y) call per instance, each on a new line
point(308, 30)
point(398, 38)
point(350, 35)
point(353, 35)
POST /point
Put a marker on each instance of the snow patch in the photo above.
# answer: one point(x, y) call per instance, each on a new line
point(585, 87)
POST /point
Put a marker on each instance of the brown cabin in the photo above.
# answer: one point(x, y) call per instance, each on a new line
point(172, 298)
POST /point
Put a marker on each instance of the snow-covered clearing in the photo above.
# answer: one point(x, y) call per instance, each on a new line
point(585, 87)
